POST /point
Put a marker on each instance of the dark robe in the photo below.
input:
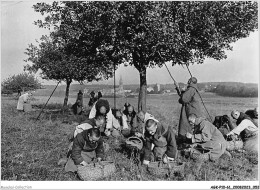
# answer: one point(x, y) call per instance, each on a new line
point(191, 104)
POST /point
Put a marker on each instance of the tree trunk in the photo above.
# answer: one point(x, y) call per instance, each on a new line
point(68, 82)
point(143, 90)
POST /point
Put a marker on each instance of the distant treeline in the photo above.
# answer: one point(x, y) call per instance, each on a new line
point(242, 90)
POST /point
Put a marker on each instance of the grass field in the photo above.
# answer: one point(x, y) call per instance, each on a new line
point(31, 149)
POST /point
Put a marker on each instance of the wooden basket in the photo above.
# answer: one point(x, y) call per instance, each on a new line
point(159, 168)
point(96, 171)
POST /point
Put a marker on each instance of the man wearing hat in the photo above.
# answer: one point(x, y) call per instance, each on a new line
point(163, 139)
point(191, 104)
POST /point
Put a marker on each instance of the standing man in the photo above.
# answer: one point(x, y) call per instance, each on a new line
point(22, 100)
point(207, 136)
point(160, 143)
point(191, 104)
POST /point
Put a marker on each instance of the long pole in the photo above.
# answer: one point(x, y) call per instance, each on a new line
point(175, 83)
point(114, 85)
point(48, 100)
point(188, 70)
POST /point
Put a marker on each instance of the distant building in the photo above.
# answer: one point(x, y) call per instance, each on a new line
point(127, 91)
point(150, 89)
point(157, 88)
point(119, 91)
point(166, 91)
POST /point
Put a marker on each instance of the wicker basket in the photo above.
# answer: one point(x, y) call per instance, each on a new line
point(159, 168)
point(234, 145)
point(93, 172)
point(134, 142)
point(199, 156)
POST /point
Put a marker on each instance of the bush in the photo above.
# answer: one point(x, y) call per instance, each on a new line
point(23, 81)
point(236, 91)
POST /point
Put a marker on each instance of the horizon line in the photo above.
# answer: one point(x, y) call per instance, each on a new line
point(158, 83)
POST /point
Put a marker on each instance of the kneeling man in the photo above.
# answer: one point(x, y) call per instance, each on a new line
point(87, 146)
point(207, 136)
point(160, 142)
point(247, 129)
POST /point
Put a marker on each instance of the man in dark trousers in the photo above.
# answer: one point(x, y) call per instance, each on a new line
point(87, 146)
point(191, 104)
point(160, 143)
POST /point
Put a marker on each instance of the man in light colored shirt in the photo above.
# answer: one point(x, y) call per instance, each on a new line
point(247, 129)
point(245, 124)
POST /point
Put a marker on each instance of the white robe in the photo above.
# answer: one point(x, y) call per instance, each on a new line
point(22, 99)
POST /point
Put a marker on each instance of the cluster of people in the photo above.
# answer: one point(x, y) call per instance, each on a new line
point(94, 98)
point(161, 143)
point(78, 107)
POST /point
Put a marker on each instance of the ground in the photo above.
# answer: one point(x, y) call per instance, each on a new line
point(30, 149)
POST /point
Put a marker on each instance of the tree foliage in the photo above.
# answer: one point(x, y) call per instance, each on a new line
point(148, 34)
point(54, 57)
point(56, 64)
point(23, 81)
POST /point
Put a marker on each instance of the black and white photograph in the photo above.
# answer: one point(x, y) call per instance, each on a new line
point(129, 94)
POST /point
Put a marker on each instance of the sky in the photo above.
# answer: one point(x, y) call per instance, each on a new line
point(18, 30)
